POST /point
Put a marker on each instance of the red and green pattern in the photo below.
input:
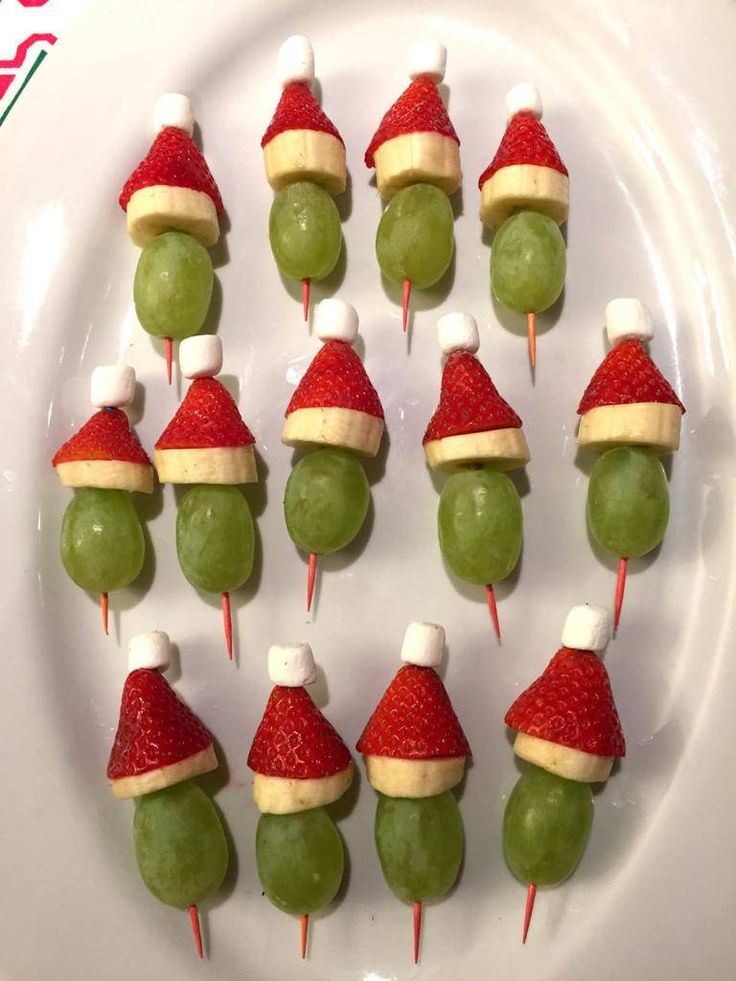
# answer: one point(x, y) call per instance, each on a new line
point(298, 109)
point(336, 378)
point(208, 417)
point(419, 109)
point(525, 141)
point(105, 436)
point(627, 375)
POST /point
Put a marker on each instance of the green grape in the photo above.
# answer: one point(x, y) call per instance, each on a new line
point(215, 537)
point(173, 286)
point(102, 543)
point(528, 262)
point(546, 827)
point(420, 844)
point(304, 229)
point(414, 240)
point(300, 859)
point(480, 525)
point(180, 844)
point(326, 501)
point(628, 501)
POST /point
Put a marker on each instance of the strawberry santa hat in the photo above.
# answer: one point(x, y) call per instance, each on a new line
point(415, 141)
point(628, 400)
point(526, 172)
point(567, 721)
point(172, 187)
point(207, 441)
point(472, 423)
point(335, 403)
point(159, 740)
point(106, 452)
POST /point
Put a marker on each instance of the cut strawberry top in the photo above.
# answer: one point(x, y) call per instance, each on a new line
point(105, 436)
point(336, 378)
point(298, 109)
point(469, 401)
point(294, 740)
point(155, 728)
point(525, 141)
point(414, 720)
point(175, 160)
point(419, 109)
point(571, 704)
point(207, 417)
point(627, 375)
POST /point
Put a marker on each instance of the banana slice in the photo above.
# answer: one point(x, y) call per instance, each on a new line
point(652, 424)
point(506, 449)
point(305, 155)
point(573, 764)
point(524, 187)
point(115, 474)
point(167, 776)
point(161, 208)
point(334, 426)
point(412, 158)
point(280, 795)
point(413, 778)
point(211, 465)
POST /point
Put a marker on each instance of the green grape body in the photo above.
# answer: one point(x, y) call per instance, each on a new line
point(415, 239)
point(102, 543)
point(173, 285)
point(528, 262)
point(304, 231)
point(215, 537)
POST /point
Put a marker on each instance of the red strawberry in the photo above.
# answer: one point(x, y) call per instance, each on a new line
point(175, 160)
point(105, 436)
point(525, 141)
point(419, 109)
point(155, 728)
point(414, 720)
point(298, 109)
point(295, 740)
point(207, 417)
point(469, 401)
point(571, 704)
point(626, 375)
point(336, 378)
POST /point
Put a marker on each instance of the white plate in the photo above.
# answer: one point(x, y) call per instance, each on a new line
point(638, 100)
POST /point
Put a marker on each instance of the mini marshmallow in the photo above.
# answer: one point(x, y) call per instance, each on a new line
point(201, 356)
point(424, 644)
point(151, 649)
point(628, 319)
point(336, 320)
point(296, 61)
point(458, 332)
point(173, 109)
point(587, 628)
point(291, 665)
point(427, 57)
point(524, 97)
point(112, 385)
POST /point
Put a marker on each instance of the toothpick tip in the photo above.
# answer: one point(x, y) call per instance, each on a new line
point(494, 610)
point(620, 589)
point(304, 924)
point(311, 576)
point(169, 352)
point(528, 909)
point(194, 920)
point(405, 304)
point(306, 287)
point(531, 329)
point(417, 930)
point(227, 624)
point(104, 606)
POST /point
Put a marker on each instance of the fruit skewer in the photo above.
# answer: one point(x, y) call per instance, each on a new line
point(475, 433)
point(172, 205)
point(415, 752)
point(160, 747)
point(336, 408)
point(102, 541)
point(300, 766)
point(304, 157)
point(569, 730)
point(630, 413)
point(208, 444)
point(416, 156)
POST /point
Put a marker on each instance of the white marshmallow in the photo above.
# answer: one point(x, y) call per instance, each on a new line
point(458, 332)
point(424, 644)
point(291, 665)
point(524, 97)
point(628, 319)
point(151, 649)
point(112, 385)
point(587, 628)
point(173, 109)
point(336, 320)
point(296, 61)
point(201, 356)
point(427, 57)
